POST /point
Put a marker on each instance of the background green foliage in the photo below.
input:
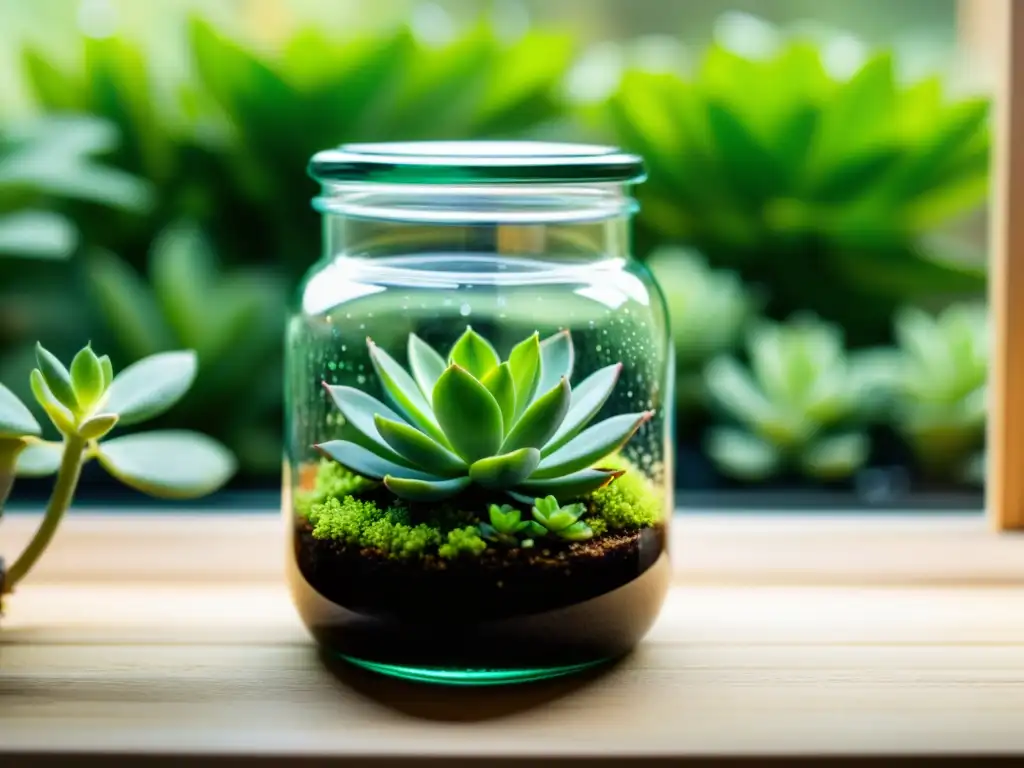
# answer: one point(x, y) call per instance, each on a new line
point(776, 186)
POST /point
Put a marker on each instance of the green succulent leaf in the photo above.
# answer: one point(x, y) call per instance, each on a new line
point(835, 457)
point(108, 371)
point(97, 426)
point(525, 362)
point(570, 486)
point(425, 490)
point(61, 417)
point(170, 464)
point(474, 353)
point(556, 360)
point(501, 384)
point(553, 517)
point(366, 463)
point(426, 364)
point(16, 419)
point(360, 411)
point(505, 518)
point(419, 449)
point(587, 398)
point(39, 459)
point(578, 531)
point(87, 377)
point(591, 445)
point(57, 378)
point(405, 393)
point(541, 420)
point(468, 414)
point(151, 386)
point(506, 470)
point(742, 455)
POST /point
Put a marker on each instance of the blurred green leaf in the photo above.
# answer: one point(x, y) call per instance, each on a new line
point(152, 385)
point(170, 464)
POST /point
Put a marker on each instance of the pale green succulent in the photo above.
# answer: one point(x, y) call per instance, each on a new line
point(506, 526)
point(512, 426)
point(562, 522)
point(801, 404)
point(938, 379)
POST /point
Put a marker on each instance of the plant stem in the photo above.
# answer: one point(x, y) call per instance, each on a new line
point(63, 491)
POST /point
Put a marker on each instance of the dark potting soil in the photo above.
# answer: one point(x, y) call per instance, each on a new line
point(498, 584)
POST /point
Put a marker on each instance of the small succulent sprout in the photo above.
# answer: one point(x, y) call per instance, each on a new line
point(801, 404)
point(561, 522)
point(506, 526)
point(85, 403)
point(516, 426)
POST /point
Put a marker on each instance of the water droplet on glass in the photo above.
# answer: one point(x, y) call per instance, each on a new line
point(361, 379)
point(465, 310)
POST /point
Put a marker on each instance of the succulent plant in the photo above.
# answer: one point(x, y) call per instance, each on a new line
point(711, 308)
point(937, 379)
point(801, 405)
point(515, 426)
point(561, 522)
point(775, 167)
point(85, 402)
point(506, 526)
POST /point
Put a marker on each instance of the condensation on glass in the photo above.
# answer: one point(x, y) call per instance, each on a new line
point(427, 244)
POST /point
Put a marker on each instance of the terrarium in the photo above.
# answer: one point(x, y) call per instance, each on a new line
point(478, 387)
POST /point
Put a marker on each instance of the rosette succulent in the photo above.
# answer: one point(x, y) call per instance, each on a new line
point(516, 425)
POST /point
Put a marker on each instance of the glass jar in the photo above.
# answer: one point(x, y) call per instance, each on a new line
point(478, 384)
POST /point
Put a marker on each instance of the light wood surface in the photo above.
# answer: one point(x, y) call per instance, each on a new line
point(216, 665)
point(1006, 281)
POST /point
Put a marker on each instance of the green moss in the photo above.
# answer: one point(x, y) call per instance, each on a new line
point(597, 525)
point(627, 503)
point(363, 523)
point(332, 480)
point(462, 541)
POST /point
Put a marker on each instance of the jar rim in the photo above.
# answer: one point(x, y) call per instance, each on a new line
point(476, 162)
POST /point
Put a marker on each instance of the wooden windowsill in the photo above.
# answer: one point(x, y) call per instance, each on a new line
point(173, 635)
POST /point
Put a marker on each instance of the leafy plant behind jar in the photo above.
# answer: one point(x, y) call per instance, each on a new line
point(232, 319)
point(829, 193)
point(45, 163)
point(85, 402)
point(937, 379)
point(800, 406)
point(709, 311)
point(472, 419)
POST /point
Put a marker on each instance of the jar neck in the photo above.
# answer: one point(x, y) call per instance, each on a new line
point(564, 222)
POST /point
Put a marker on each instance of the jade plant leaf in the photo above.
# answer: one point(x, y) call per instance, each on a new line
point(152, 385)
point(541, 420)
point(39, 459)
point(57, 378)
point(364, 462)
point(468, 414)
point(506, 470)
point(87, 377)
point(108, 371)
point(743, 455)
point(570, 486)
point(578, 531)
point(16, 419)
point(591, 445)
point(474, 353)
point(10, 448)
point(587, 399)
point(556, 360)
point(525, 361)
point(426, 364)
point(97, 426)
point(425, 490)
point(419, 449)
point(501, 385)
point(404, 392)
point(360, 411)
point(61, 417)
point(172, 464)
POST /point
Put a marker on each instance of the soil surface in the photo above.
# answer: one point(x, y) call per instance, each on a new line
point(500, 583)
